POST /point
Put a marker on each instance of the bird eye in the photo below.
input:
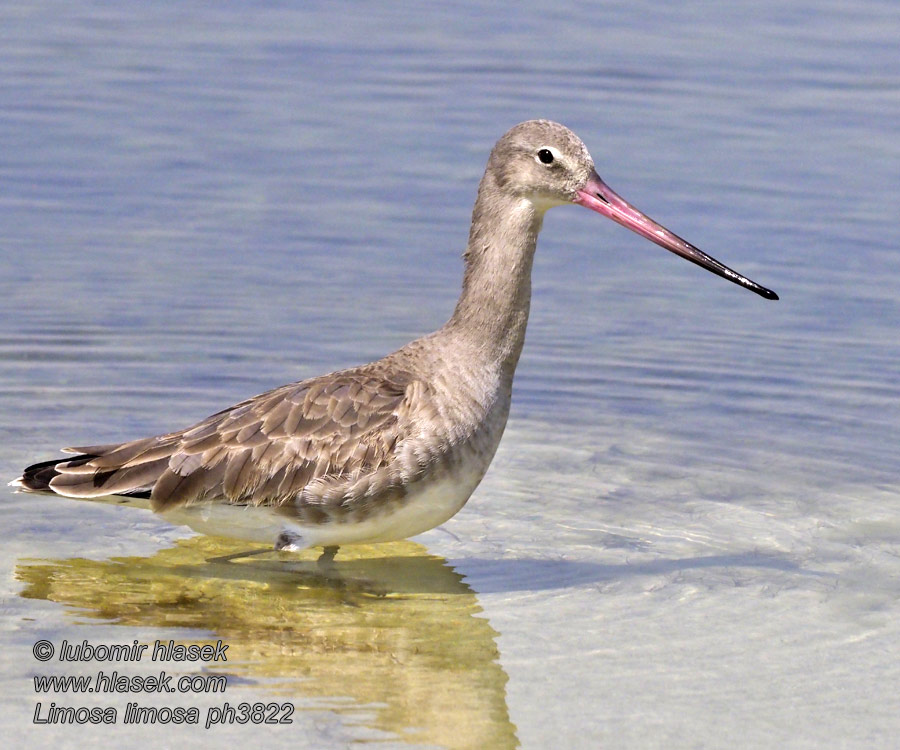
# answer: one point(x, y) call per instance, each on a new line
point(545, 155)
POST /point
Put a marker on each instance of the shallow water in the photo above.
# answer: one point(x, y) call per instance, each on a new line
point(690, 536)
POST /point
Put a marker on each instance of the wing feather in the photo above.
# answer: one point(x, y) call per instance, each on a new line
point(305, 446)
point(309, 440)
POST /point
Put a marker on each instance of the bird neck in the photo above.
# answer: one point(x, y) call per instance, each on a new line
point(492, 311)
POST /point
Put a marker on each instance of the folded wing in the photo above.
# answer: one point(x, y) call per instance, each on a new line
point(327, 441)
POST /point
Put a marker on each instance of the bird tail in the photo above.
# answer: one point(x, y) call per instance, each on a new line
point(37, 477)
point(77, 476)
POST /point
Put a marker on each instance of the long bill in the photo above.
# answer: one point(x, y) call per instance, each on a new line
point(597, 196)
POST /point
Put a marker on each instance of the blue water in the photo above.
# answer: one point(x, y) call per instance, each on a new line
point(690, 535)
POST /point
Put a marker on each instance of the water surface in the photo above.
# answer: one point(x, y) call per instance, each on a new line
point(690, 534)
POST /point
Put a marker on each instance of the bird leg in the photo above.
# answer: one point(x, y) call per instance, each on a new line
point(327, 557)
point(237, 555)
point(289, 542)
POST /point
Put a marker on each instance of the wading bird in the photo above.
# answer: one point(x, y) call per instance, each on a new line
point(393, 448)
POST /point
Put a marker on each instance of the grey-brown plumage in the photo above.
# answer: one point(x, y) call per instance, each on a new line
point(392, 448)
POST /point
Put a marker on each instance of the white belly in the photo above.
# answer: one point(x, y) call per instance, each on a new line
point(424, 508)
point(428, 505)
